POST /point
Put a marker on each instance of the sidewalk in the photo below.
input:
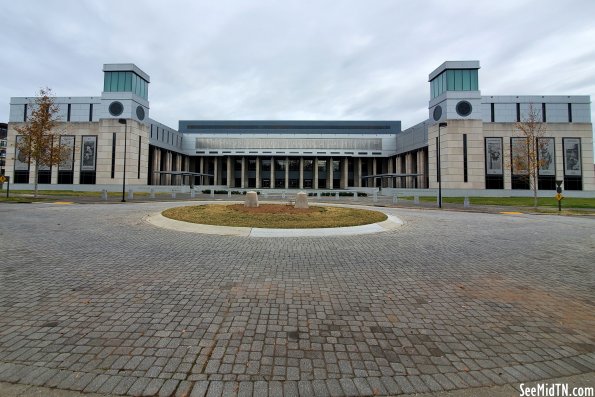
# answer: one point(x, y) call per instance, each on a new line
point(381, 201)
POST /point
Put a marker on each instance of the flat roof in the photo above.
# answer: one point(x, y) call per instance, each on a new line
point(453, 65)
point(290, 126)
point(126, 67)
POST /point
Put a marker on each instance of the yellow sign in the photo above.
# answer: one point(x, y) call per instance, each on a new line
point(2, 179)
point(559, 196)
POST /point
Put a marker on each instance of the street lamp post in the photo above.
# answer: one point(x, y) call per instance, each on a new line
point(124, 121)
point(439, 168)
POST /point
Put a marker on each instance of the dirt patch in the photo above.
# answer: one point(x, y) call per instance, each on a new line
point(564, 310)
point(274, 216)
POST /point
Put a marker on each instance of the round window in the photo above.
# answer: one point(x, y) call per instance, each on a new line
point(437, 113)
point(464, 108)
point(140, 113)
point(116, 108)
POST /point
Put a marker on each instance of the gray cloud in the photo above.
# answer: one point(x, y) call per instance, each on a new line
point(267, 59)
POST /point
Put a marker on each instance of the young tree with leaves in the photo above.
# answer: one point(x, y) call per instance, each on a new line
point(40, 138)
point(526, 158)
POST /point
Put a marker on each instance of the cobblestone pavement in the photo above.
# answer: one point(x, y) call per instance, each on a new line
point(94, 299)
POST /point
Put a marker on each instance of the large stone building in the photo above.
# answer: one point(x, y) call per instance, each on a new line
point(476, 134)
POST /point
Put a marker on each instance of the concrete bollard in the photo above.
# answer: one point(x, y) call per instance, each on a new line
point(466, 203)
point(173, 194)
point(395, 199)
point(152, 193)
point(317, 194)
point(301, 200)
point(336, 196)
point(355, 196)
point(416, 199)
point(265, 194)
point(375, 197)
point(229, 193)
point(284, 195)
point(104, 194)
point(130, 194)
point(192, 193)
point(212, 193)
point(251, 200)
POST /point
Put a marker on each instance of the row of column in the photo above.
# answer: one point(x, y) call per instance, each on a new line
point(214, 165)
point(167, 161)
point(414, 162)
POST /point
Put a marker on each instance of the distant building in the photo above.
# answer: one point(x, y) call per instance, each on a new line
point(476, 138)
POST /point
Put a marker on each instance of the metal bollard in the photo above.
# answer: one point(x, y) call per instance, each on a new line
point(152, 193)
point(104, 194)
point(466, 203)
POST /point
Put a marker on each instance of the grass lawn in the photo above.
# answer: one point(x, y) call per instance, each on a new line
point(569, 202)
point(278, 216)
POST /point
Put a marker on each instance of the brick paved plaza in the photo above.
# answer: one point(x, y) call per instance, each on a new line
point(94, 299)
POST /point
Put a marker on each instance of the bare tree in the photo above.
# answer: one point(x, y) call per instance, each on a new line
point(40, 138)
point(527, 154)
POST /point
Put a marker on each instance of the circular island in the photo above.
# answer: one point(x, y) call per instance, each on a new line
point(274, 216)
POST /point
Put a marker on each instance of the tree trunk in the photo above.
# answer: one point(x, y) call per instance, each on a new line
point(36, 176)
point(535, 190)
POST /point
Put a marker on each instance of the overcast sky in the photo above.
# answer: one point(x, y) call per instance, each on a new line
point(303, 60)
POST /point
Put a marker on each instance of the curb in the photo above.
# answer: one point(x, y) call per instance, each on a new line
point(391, 223)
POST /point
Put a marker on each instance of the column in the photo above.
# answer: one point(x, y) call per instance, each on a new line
point(374, 171)
point(230, 182)
point(408, 169)
point(389, 182)
point(154, 175)
point(315, 184)
point(272, 172)
point(258, 172)
point(243, 173)
point(345, 174)
point(215, 170)
point(358, 172)
point(301, 183)
point(421, 169)
point(158, 177)
point(286, 172)
point(54, 175)
point(329, 173)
